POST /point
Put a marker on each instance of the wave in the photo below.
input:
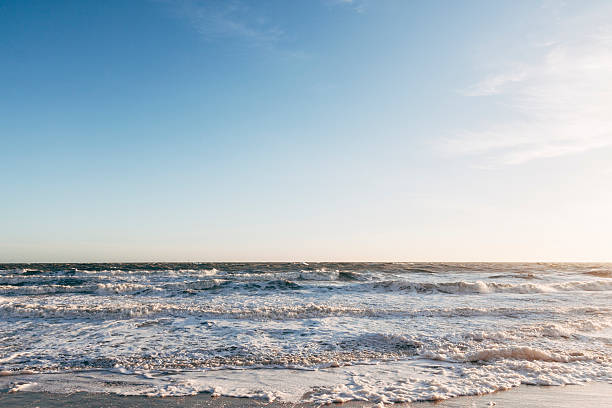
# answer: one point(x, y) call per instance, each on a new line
point(319, 275)
point(141, 309)
point(501, 352)
point(81, 286)
point(600, 273)
point(19, 280)
point(480, 287)
point(76, 287)
point(123, 288)
point(516, 353)
point(44, 290)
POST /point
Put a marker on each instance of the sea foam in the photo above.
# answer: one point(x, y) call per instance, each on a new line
point(319, 333)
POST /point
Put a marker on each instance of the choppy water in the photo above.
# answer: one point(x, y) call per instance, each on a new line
point(313, 332)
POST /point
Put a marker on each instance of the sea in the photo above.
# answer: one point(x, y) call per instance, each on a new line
point(304, 332)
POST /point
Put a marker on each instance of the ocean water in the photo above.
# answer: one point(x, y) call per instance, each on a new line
point(324, 332)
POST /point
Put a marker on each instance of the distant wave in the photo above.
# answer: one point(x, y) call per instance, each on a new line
point(607, 273)
point(56, 285)
point(480, 287)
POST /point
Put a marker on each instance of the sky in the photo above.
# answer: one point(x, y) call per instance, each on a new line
point(320, 130)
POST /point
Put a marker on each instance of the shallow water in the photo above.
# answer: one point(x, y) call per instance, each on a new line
point(304, 332)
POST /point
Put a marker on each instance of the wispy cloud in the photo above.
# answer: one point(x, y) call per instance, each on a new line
point(495, 83)
point(228, 19)
point(563, 100)
point(357, 5)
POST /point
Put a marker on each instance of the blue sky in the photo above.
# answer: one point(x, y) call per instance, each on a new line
point(308, 130)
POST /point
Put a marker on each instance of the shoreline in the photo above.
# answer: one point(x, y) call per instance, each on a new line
point(595, 394)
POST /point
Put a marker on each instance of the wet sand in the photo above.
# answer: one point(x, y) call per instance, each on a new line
point(571, 396)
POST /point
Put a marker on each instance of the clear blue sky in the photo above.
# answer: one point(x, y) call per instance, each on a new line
point(305, 130)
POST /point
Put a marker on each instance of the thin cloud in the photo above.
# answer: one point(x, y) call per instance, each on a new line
point(563, 100)
point(357, 5)
point(494, 84)
point(232, 19)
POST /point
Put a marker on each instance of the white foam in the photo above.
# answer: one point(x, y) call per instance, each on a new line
point(22, 387)
point(381, 333)
point(392, 382)
point(321, 274)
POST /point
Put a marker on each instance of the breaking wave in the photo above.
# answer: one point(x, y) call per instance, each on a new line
point(378, 332)
point(481, 287)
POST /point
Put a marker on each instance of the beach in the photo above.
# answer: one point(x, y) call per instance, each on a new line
point(303, 333)
point(296, 204)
